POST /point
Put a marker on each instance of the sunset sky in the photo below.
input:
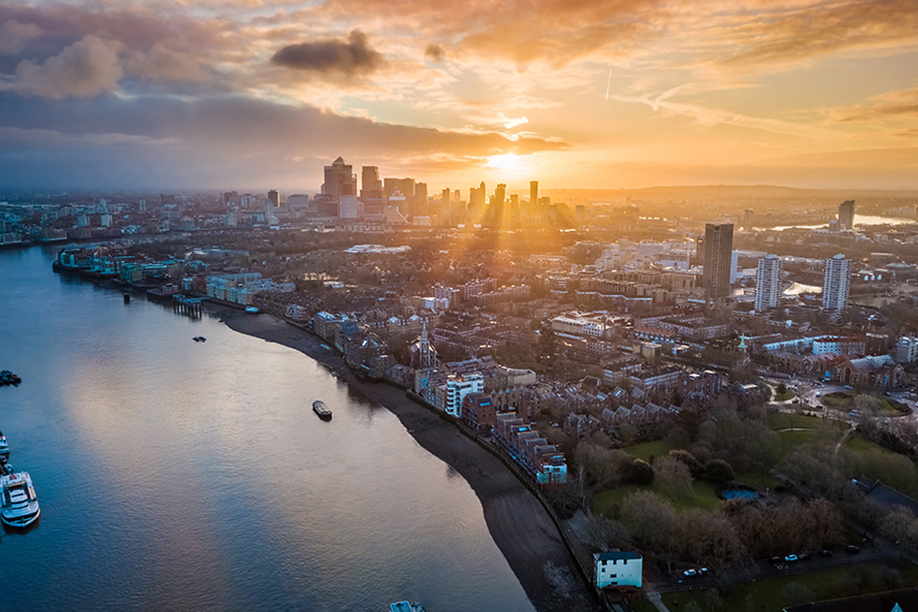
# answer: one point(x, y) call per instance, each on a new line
point(575, 93)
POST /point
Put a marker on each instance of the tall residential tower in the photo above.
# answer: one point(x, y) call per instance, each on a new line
point(837, 282)
point(718, 255)
point(768, 283)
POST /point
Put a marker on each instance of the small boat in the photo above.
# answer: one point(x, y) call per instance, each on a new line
point(199, 339)
point(4, 445)
point(252, 309)
point(322, 410)
point(18, 502)
point(405, 606)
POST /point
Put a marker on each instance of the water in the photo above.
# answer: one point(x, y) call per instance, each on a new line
point(858, 220)
point(177, 475)
point(738, 494)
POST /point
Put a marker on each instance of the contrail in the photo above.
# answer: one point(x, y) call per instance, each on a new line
point(609, 84)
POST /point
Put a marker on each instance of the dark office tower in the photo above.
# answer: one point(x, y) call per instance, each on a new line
point(420, 199)
point(718, 254)
point(370, 185)
point(846, 215)
point(274, 197)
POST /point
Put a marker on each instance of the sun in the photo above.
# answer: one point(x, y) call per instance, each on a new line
point(507, 161)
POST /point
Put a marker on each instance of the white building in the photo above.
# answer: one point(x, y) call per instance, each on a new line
point(837, 283)
point(735, 272)
point(577, 326)
point(617, 569)
point(907, 350)
point(457, 387)
point(768, 283)
point(347, 206)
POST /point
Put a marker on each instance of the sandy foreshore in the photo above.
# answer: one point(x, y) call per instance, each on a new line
point(516, 520)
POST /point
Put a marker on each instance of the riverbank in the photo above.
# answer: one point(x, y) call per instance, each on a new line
point(518, 523)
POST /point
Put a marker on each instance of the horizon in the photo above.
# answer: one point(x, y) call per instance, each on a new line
point(606, 95)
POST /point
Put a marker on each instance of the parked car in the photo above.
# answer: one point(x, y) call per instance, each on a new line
point(776, 561)
point(825, 552)
point(703, 571)
point(805, 556)
point(790, 558)
point(851, 549)
point(690, 573)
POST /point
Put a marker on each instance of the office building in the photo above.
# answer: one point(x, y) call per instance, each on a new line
point(370, 184)
point(339, 179)
point(718, 257)
point(768, 283)
point(846, 215)
point(274, 197)
point(837, 282)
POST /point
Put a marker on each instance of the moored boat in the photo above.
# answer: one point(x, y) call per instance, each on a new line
point(4, 445)
point(322, 410)
point(18, 502)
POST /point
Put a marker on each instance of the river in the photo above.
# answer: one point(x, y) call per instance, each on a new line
point(177, 475)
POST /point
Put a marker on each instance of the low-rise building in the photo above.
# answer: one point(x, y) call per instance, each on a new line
point(618, 569)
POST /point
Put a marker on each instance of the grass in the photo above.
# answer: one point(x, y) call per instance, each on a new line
point(660, 448)
point(787, 420)
point(770, 594)
point(704, 497)
point(783, 397)
point(844, 401)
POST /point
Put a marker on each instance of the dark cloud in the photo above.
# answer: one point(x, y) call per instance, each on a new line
point(212, 141)
point(435, 52)
point(352, 57)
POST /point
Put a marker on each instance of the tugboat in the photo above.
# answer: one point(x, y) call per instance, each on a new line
point(4, 447)
point(18, 503)
point(322, 410)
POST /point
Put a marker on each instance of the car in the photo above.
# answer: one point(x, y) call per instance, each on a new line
point(703, 571)
point(818, 394)
point(690, 573)
point(804, 556)
point(796, 401)
point(851, 549)
point(825, 552)
point(776, 560)
point(790, 558)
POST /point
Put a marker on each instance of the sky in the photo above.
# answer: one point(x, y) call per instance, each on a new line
point(235, 94)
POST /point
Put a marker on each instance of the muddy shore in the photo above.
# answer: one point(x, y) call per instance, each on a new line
point(518, 523)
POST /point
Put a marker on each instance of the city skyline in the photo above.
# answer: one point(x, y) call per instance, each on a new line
point(594, 95)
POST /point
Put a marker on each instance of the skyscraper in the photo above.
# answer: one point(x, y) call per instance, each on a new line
point(370, 185)
point(274, 197)
point(533, 194)
point(718, 254)
point(846, 215)
point(768, 283)
point(339, 178)
point(836, 285)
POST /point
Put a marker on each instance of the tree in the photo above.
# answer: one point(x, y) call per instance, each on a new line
point(547, 343)
point(639, 472)
point(674, 478)
point(718, 470)
point(654, 522)
point(694, 466)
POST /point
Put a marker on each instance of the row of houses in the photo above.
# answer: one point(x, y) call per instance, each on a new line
point(529, 449)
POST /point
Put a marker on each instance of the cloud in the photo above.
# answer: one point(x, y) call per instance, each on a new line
point(435, 53)
point(14, 36)
point(86, 68)
point(891, 105)
point(350, 58)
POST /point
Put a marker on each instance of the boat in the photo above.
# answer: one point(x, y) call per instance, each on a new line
point(4, 445)
point(405, 606)
point(252, 309)
point(199, 339)
point(18, 504)
point(322, 410)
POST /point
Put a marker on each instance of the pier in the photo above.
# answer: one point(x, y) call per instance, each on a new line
point(188, 306)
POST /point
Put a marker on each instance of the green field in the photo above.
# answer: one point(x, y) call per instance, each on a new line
point(787, 420)
point(844, 401)
point(645, 451)
point(770, 594)
point(704, 497)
